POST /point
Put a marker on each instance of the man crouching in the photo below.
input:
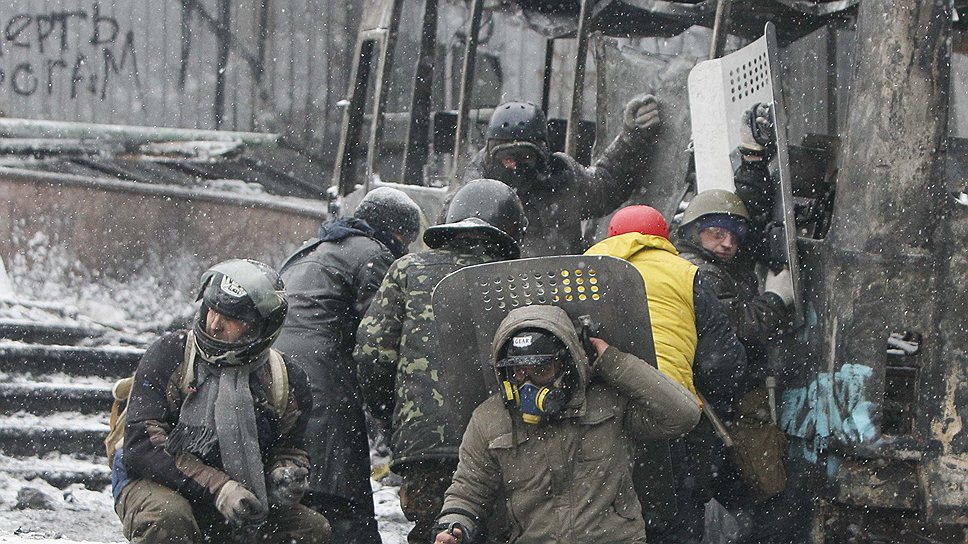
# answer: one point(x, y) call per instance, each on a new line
point(213, 445)
point(558, 436)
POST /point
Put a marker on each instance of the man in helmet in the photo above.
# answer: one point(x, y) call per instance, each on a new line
point(557, 192)
point(683, 313)
point(713, 235)
point(331, 281)
point(397, 344)
point(694, 344)
point(557, 437)
point(712, 232)
point(213, 444)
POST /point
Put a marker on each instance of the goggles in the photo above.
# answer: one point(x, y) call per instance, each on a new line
point(545, 374)
point(516, 156)
point(719, 234)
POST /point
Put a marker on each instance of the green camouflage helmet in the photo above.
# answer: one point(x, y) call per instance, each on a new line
point(714, 201)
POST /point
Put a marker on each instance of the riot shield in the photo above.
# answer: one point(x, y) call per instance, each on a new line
point(720, 92)
point(470, 304)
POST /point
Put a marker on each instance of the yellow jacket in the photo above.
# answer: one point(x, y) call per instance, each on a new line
point(669, 289)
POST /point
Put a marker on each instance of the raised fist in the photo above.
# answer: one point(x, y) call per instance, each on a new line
point(641, 115)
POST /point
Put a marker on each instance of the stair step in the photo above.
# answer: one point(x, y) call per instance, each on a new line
point(48, 397)
point(23, 434)
point(59, 470)
point(39, 332)
point(75, 360)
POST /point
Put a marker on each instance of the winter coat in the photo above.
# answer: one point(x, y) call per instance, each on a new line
point(571, 194)
point(669, 285)
point(154, 408)
point(398, 360)
point(330, 282)
point(755, 316)
point(569, 479)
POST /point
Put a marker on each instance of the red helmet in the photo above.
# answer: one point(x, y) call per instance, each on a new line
point(643, 219)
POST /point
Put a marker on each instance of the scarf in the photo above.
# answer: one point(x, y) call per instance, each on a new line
point(217, 419)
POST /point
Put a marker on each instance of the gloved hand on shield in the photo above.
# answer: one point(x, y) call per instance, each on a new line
point(758, 133)
point(780, 284)
point(641, 116)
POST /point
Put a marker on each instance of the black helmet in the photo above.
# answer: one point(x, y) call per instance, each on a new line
point(246, 290)
point(531, 347)
point(520, 121)
point(487, 208)
point(517, 144)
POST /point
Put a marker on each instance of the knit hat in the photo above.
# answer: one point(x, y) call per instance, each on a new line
point(391, 210)
point(733, 223)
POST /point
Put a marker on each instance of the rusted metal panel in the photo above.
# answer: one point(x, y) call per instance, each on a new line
point(946, 478)
point(891, 485)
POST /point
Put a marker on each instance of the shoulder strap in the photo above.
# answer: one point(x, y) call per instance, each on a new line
point(279, 391)
point(189, 361)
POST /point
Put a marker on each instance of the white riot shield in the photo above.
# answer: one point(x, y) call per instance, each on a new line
point(470, 304)
point(720, 92)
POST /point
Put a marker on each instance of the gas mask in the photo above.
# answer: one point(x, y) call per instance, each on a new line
point(533, 367)
point(534, 401)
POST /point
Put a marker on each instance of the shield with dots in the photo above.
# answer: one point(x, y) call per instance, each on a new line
point(470, 304)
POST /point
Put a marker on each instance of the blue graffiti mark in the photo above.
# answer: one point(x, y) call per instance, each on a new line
point(831, 405)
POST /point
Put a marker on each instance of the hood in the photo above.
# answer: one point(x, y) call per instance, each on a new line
point(556, 321)
point(339, 229)
point(624, 246)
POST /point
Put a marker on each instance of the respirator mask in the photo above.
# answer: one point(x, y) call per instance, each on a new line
point(533, 366)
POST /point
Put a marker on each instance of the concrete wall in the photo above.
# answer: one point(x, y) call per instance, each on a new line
point(140, 248)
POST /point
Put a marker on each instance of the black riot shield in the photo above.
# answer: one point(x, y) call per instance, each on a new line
point(470, 304)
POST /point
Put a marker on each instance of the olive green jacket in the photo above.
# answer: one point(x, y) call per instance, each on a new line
point(568, 480)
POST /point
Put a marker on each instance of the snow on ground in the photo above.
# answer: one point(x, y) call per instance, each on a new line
point(57, 379)
point(79, 515)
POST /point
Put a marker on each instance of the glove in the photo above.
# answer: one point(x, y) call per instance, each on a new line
point(641, 115)
point(453, 533)
point(780, 284)
point(287, 485)
point(758, 135)
point(239, 505)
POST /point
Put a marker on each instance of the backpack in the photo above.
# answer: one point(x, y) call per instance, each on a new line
point(278, 393)
point(758, 447)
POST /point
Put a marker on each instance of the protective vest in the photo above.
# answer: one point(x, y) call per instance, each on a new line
point(669, 290)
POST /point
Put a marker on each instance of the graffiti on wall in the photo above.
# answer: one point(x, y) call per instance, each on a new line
point(77, 51)
point(832, 405)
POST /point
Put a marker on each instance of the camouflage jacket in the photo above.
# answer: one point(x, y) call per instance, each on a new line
point(397, 362)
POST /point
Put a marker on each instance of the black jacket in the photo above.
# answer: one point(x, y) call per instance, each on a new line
point(156, 400)
point(571, 194)
point(719, 366)
point(756, 316)
point(330, 282)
